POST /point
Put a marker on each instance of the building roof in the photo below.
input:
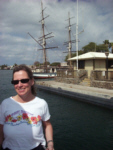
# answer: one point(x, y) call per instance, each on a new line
point(92, 55)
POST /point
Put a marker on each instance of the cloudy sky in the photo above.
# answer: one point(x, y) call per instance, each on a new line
point(18, 17)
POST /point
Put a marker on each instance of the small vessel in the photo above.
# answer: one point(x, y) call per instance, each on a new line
point(42, 42)
point(44, 75)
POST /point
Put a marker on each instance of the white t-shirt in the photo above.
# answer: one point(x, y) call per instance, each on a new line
point(23, 123)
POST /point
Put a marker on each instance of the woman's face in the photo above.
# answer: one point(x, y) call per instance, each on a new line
point(23, 89)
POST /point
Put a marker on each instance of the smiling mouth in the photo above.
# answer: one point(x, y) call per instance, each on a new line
point(21, 90)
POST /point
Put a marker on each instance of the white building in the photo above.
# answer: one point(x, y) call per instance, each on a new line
point(93, 61)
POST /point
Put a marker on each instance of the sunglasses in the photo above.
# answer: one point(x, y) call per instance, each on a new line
point(22, 81)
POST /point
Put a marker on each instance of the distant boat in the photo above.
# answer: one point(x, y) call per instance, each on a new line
point(44, 75)
point(42, 42)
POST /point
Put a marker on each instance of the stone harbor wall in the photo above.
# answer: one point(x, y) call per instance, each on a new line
point(67, 80)
point(100, 83)
point(72, 80)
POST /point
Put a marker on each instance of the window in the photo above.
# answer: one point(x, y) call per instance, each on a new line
point(81, 64)
point(110, 63)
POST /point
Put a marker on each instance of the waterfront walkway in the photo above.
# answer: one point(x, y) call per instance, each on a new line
point(98, 96)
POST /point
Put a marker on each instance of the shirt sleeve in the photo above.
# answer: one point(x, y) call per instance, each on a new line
point(2, 120)
point(46, 114)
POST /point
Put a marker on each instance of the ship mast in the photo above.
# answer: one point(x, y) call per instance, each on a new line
point(70, 41)
point(70, 45)
point(42, 40)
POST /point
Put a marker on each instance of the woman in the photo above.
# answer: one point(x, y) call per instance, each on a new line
point(23, 116)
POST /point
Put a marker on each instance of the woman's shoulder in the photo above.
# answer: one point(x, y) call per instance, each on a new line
point(6, 101)
point(40, 100)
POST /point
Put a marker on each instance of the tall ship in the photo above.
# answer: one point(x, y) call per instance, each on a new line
point(43, 44)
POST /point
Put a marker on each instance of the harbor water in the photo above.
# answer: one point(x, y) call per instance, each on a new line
point(77, 125)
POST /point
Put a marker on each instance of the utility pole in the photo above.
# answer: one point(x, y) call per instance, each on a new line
point(77, 40)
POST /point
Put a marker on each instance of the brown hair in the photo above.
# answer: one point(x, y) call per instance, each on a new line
point(30, 75)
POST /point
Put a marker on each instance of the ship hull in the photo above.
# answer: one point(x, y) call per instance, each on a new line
point(43, 75)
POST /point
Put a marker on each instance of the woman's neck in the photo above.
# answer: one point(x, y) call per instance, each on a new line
point(23, 99)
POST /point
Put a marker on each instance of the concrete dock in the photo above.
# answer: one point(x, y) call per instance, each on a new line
point(97, 96)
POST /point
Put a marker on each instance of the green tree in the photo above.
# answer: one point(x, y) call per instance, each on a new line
point(90, 47)
point(101, 48)
point(106, 42)
point(47, 63)
point(37, 63)
point(55, 64)
point(15, 65)
point(3, 66)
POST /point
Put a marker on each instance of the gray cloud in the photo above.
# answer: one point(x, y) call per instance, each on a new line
point(22, 16)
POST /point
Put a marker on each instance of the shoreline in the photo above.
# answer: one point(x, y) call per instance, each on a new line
point(92, 95)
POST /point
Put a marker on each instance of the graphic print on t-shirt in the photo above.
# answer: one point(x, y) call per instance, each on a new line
point(21, 116)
